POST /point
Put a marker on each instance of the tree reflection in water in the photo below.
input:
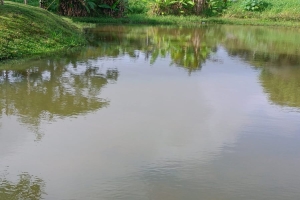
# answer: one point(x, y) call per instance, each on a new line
point(48, 89)
point(282, 84)
point(279, 75)
point(188, 48)
point(276, 53)
point(26, 188)
point(71, 86)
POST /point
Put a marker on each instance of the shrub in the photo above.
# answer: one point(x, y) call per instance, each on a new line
point(137, 6)
point(215, 7)
point(172, 7)
point(255, 5)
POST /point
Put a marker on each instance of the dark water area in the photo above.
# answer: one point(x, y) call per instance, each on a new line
point(155, 113)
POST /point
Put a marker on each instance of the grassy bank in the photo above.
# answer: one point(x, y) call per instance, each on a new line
point(184, 20)
point(274, 10)
point(274, 13)
point(27, 30)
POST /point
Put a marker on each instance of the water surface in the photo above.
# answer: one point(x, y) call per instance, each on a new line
point(155, 113)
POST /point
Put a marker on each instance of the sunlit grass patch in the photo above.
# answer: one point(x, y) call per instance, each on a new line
point(277, 10)
point(27, 30)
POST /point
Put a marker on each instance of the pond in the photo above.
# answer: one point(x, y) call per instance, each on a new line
point(155, 113)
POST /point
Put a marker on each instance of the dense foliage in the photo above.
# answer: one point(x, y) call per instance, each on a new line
point(274, 10)
point(115, 8)
point(178, 7)
point(118, 8)
point(255, 5)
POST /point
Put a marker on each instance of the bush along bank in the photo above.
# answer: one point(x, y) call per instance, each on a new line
point(197, 12)
point(262, 12)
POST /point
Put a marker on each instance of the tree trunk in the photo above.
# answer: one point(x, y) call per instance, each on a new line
point(42, 3)
point(1, 2)
point(25, 2)
point(200, 6)
point(74, 8)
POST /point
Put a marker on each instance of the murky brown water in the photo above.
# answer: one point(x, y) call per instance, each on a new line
point(156, 113)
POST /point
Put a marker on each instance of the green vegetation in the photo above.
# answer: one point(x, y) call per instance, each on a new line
point(187, 21)
point(268, 10)
point(81, 8)
point(255, 5)
point(273, 10)
point(27, 30)
point(183, 13)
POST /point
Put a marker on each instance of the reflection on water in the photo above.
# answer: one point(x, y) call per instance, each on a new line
point(191, 47)
point(193, 114)
point(282, 85)
point(268, 42)
point(276, 52)
point(188, 48)
point(52, 88)
point(26, 187)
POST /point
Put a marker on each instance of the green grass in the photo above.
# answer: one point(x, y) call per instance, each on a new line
point(137, 19)
point(183, 21)
point(26, 30)
point(35, 3)
point(278, 10)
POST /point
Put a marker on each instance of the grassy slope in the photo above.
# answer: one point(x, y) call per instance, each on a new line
point(27, 30)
